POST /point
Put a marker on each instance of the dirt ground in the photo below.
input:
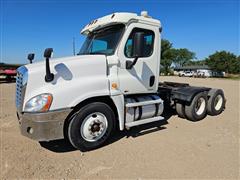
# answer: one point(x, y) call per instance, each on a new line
point(177, 149)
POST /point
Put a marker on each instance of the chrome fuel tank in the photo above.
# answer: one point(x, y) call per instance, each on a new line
point(146, 107)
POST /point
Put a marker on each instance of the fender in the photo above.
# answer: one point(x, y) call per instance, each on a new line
point(115, 102)
point(187, 93)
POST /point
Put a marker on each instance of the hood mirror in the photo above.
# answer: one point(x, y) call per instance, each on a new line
point(47, 54)
point(31, 57)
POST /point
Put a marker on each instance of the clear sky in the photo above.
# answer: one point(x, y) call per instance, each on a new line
point(203, 26)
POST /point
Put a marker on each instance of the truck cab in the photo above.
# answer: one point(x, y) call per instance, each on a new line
point(112, 83)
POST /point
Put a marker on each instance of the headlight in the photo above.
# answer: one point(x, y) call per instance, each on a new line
point(39, 103)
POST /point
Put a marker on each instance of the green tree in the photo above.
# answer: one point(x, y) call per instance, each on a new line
point(196, 63)
point(169, 55)
point(237, 68)
point(182, 56)
point(166, 56)
point(224, 61)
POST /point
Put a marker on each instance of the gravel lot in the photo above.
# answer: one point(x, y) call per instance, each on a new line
point(177, 149)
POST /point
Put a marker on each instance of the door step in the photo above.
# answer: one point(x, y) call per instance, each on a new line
point(143, 121)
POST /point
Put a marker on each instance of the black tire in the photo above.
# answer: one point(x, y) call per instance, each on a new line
point(191, 111)
point(180, 110)
point(75, 126)
point(216, 96)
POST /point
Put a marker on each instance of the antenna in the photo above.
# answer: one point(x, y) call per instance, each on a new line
point(73, 46)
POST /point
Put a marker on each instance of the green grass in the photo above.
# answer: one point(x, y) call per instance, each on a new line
point(234, 78)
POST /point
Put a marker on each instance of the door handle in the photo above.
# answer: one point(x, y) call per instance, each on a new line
point(151, 81)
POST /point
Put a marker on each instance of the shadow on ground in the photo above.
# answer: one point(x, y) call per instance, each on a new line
point(62, 146)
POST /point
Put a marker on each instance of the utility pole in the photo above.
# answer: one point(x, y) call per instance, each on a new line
point(73, 46)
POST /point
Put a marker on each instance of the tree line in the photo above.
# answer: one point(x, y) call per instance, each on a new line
point(218, 61)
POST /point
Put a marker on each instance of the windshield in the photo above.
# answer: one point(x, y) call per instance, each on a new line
point(103, 41)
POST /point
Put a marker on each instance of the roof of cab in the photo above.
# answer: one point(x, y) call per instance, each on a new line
point(119, 17)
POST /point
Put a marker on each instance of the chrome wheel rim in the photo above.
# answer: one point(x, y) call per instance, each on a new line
point(200, 106)
point(218, 101)
point(94, 127)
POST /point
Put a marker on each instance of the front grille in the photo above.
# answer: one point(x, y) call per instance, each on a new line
point(20, 87)
point(19, 90)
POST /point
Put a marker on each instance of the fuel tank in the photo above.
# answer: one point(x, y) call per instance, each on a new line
point(146, 107)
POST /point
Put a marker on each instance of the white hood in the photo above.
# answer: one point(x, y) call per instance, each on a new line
point(75, 79)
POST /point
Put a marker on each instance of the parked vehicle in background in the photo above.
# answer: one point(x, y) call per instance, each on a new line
point(198, 71)
point(186, 73)
point(219, 74)
point(199, 74)
point(8, 74)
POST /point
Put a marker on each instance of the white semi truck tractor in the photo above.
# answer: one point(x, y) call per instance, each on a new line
point(112, 84)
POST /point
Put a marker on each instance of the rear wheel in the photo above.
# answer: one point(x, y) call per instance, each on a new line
point(91, 126)
point(180, 110)
point(198, 107)
point(216, 102)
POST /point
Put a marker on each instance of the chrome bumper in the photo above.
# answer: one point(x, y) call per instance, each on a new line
point(43, 126)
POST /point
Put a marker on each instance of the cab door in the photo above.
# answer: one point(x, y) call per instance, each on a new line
point(143, 77)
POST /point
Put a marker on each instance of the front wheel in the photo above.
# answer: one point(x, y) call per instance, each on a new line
point(91, 126)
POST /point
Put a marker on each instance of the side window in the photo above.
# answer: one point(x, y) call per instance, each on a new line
point(148, 43)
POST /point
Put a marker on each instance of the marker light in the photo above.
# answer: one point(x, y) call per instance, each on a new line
point(39, 103)
point(114, 86)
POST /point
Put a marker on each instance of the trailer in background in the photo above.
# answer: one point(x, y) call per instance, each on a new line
point(8, 72)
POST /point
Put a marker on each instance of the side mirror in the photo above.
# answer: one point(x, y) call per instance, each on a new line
point(138, 49)
point(48, 52)
point(31, 57)
point(138, 44)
